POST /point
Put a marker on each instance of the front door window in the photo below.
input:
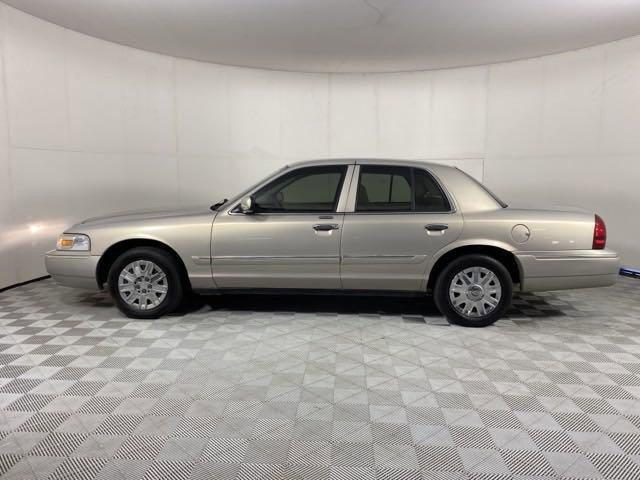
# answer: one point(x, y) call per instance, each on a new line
point(306, 190)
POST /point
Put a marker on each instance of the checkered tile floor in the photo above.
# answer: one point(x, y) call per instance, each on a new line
point(318, 388)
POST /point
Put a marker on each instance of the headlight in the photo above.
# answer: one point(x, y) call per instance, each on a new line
point(73, 241)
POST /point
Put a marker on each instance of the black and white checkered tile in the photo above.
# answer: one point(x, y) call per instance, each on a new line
point(319, 388)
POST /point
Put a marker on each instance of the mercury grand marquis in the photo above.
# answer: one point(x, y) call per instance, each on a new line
point(360, 226)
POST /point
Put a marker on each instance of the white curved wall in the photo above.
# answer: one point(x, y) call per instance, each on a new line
point(89, 127)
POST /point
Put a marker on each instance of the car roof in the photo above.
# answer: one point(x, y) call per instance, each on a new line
point(366, 161)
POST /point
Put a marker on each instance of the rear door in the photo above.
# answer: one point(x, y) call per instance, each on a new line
point(397, 218)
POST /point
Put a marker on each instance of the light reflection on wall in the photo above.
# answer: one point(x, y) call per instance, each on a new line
point(22, 248)
point(33, 234)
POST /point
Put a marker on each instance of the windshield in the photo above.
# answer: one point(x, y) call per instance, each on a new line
point(255, 185)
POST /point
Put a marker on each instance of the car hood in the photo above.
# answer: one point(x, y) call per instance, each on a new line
point(139, 215)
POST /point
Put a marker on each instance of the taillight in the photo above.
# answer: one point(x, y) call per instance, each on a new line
point(599, 234)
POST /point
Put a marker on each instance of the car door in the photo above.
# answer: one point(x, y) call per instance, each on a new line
point(396, 219)
point(291, 240)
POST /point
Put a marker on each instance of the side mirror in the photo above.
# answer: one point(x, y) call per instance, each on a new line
point(247, 204)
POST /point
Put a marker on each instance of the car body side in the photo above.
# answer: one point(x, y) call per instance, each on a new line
point(372, 251)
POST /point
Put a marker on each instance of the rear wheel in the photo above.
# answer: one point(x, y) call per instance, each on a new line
point(473, 291)
point(145, 283)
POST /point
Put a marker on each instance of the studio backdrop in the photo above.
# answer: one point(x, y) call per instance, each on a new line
point(88, 127)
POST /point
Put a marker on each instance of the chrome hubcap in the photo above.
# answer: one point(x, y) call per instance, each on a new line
point(475, 292)
point(143, 285)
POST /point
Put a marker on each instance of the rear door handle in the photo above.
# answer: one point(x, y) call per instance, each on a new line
point(326, 227)
point(436, 227)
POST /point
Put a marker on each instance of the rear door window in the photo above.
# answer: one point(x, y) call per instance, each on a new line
point(384, 188)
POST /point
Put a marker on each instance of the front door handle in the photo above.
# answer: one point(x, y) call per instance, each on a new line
point(436, 227)
point(326, 227)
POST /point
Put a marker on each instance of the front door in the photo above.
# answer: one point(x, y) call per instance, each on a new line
point(401, 218)
point(292, 240)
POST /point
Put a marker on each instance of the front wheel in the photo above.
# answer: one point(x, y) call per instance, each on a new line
point(145, 283)
point(473, 291)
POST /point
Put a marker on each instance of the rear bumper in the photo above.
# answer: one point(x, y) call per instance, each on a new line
point(567, 269)
point(73, 270)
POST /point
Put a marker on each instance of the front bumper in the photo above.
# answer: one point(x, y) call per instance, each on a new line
point(562, 270)
point(73, 269)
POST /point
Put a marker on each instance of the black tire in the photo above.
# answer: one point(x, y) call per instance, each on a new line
point(166, 263)
point(444, 303)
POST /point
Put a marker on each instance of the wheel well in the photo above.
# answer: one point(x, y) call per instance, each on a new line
point(503, 256)
point(115, 250)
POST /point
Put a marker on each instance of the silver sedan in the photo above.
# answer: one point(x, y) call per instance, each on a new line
point(388, 227)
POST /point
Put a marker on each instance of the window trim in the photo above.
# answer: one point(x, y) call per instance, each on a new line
point(355, 182)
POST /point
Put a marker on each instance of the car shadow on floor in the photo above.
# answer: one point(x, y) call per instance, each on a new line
point(328, 304)
point(524, 305)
